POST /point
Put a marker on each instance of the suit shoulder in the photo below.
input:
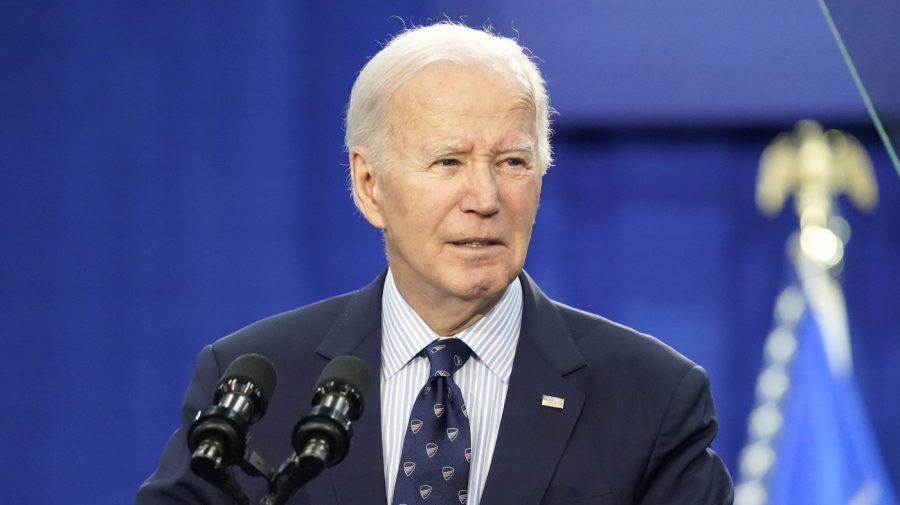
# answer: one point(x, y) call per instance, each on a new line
point(612, 344)
point(300, 327)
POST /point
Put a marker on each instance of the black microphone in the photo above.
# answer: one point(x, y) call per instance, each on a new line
point(218, 436)
point(322, 437)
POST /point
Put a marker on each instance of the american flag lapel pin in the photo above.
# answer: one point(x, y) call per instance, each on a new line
point(554, 402)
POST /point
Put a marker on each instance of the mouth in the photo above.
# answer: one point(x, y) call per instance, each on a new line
point(476, 243)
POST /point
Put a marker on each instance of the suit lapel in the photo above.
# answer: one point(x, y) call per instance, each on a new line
point(357, 331)
point(532, 437)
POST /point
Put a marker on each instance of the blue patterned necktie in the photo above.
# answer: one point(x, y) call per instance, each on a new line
point(434, 464)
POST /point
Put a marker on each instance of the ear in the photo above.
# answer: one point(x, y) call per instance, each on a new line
point(366, 191)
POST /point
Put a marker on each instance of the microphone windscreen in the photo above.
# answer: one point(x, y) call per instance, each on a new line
point(349, 370)
point(256, 369)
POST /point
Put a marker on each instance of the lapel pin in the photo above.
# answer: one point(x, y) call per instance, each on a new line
point(554, 402)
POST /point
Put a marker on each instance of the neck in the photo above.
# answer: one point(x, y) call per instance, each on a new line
point(445, 314)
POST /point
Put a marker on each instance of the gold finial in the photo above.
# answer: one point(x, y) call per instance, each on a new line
point(816, 167)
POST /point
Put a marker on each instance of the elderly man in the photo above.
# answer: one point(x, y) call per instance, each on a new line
point(488, 391)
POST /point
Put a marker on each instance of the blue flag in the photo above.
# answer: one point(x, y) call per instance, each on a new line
point(810, 440)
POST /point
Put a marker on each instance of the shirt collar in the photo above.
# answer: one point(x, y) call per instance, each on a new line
point(492, 339)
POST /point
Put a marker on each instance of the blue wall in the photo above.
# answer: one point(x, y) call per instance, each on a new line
point(170, 173)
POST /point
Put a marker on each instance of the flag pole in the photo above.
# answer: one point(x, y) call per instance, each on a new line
point(815, 167)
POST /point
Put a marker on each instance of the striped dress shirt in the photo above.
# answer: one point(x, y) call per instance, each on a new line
point(483, 380)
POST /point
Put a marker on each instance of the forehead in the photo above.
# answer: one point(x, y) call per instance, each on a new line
point(451, 98)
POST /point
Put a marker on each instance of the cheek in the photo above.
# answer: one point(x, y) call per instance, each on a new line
point(523, 202)
point(413, 213)
point(396, 198)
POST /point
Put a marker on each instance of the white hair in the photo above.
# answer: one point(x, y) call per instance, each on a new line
point(418, 47)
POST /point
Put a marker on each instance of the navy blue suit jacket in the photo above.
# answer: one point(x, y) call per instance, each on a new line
point(636, 427)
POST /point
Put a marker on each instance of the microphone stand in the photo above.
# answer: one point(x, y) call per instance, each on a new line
point(294, 473)
point(212, 471)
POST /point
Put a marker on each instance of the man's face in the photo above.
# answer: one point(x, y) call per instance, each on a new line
point(459, 188)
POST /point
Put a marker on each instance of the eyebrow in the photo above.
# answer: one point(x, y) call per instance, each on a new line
point(443, 150)
point(527, 147)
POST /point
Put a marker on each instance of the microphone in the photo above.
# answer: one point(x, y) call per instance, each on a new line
point(322, 437)
point(218, 436)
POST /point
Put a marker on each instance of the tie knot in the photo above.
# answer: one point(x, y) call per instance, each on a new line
point(447, 355)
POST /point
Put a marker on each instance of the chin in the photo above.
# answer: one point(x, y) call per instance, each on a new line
point(482, 284)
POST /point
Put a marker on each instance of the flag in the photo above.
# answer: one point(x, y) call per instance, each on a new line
point(810, 441)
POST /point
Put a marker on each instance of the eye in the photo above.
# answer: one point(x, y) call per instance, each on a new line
point(515, 163)
point(448, 162)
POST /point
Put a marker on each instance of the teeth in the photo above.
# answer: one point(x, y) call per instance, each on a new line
point(474, 244)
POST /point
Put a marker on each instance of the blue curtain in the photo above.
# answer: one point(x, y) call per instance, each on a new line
point(170, 173)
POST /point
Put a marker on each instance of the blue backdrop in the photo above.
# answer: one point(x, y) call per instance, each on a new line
point(171, 172)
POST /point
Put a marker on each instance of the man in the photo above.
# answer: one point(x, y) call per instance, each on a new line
point(448, 139)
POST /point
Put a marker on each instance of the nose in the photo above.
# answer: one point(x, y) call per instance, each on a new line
point(482, 191)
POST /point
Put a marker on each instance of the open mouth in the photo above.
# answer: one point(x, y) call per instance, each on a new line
point(476, 243)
